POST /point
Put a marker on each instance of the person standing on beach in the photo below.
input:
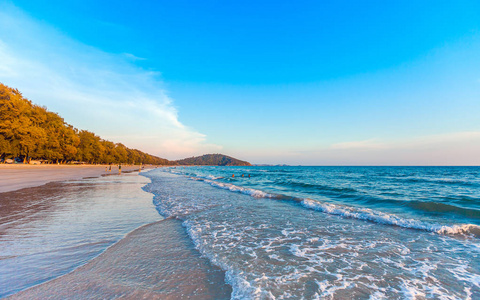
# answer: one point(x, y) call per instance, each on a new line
point(119, 169)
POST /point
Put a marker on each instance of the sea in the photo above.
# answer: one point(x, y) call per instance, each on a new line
point(331, 232)
point(276, 232)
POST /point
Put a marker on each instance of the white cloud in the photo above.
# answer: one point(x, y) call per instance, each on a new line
point(102, 92)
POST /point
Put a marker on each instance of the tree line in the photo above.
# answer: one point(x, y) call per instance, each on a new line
point(30, 132)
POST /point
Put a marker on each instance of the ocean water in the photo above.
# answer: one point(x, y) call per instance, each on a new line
point(331, 232)
point(48, 231)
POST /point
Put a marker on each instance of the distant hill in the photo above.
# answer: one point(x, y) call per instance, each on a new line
point(213, 160)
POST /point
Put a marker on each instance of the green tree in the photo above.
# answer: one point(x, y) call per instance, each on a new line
point(32, 131)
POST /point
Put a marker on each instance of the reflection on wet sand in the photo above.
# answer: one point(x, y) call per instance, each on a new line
point(48, 231)
point(156, 261)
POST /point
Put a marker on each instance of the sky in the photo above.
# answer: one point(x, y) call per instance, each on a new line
point(274, 82)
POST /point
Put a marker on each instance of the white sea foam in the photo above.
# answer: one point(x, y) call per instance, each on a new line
point(235, 188)
point(242, 288)
point(367, 214)
point(211, 177)
point(289, 251)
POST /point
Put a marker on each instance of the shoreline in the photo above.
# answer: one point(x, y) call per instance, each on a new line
point(27, 290)
point(19, 176)
point(156, 260)
point(151, 270)
point(50, 230)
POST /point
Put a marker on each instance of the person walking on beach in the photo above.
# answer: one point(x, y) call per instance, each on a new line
point(119, 169)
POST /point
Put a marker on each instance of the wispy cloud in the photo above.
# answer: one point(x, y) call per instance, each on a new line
point(457, 148)
point(102, 92)
point(133, 57)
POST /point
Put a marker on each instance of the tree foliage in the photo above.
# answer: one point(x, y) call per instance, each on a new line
point(32, 132)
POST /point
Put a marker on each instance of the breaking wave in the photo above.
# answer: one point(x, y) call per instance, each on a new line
point(364, 214)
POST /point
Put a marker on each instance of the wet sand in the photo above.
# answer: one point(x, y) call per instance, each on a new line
point(18, 176)
point(47, 231)
point(155, 261)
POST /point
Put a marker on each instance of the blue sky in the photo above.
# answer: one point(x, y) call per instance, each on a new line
point(305, 82)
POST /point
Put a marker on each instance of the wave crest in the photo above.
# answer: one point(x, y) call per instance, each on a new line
point(367, 214)
point(364, 214)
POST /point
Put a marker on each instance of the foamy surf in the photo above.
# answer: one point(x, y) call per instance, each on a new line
point(364, 214)
point(276, 250)
point(390, 219)
point(238, 189)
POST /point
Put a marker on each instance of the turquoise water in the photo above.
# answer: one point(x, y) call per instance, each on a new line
point(341, 232)
point(282, 233)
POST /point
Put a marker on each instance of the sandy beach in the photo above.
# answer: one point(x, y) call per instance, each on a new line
point(143, 265)
point(59, 221)
point(19, 176)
